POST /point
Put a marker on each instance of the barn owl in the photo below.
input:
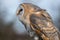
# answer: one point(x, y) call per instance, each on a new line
point(37, 22)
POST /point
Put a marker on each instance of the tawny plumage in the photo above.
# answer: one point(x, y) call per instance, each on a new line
point(37, 22)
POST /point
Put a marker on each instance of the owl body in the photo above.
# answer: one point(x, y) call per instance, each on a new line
point(37, 22)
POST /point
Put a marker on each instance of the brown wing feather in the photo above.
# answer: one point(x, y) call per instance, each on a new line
point(42, 23)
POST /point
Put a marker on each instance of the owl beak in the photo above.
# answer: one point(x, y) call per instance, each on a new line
point(17, 12)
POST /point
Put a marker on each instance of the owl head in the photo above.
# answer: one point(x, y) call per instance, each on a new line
point(25, 10)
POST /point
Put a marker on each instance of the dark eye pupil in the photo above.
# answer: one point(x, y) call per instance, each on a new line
point(21, 10)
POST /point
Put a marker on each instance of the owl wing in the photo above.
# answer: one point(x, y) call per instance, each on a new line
point(40, 22)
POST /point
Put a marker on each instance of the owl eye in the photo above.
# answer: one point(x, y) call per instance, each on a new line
point(21, 10)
